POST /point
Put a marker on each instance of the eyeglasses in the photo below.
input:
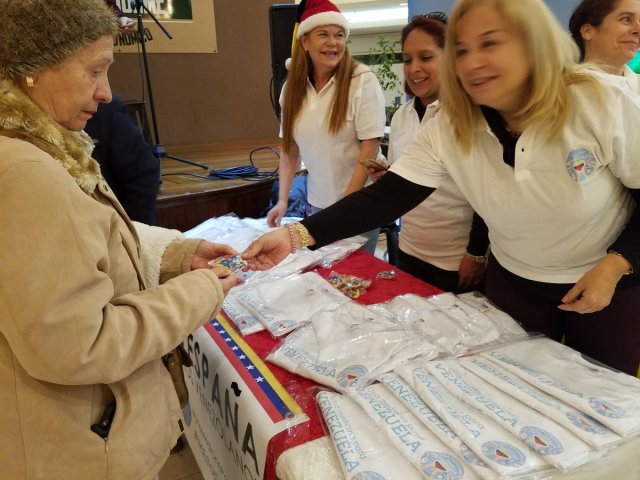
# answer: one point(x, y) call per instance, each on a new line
point(439, 16)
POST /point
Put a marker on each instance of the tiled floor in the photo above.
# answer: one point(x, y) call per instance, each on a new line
point(181, 465)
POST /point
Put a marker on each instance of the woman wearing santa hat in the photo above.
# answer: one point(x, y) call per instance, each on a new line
point(332, 113)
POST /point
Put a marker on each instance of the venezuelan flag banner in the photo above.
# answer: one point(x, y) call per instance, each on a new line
point(265, 387)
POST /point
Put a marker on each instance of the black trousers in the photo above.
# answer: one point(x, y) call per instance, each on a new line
point(610, 336)
point(443, 279)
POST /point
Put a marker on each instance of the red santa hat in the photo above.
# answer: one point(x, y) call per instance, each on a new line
point(315, 13)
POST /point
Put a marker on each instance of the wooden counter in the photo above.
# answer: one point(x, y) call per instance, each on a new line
point(185, 201)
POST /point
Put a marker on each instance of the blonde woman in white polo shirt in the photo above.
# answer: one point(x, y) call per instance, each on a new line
point(547, 153)
point(608, 35)
point(332, 113)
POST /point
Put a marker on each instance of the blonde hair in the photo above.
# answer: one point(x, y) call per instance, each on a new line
point(296, 92)
point(553, 57)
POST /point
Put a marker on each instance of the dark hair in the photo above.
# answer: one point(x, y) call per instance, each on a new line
point(589, 12)
point(433, 24)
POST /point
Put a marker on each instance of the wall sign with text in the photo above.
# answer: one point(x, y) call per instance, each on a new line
point(190, 23)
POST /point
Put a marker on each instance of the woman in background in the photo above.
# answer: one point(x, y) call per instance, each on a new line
point(434, 239)
point(608, 35)
point(332, 114)
point(521, 134)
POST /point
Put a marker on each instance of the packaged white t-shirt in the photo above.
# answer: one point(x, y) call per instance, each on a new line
point(551, 441)
point(612, 398)
point(583, 426)
point(362, 449)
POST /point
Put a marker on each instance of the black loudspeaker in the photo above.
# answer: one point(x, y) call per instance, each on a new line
point(282, 18)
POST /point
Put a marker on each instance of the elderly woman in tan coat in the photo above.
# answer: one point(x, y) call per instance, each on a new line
point(82, 330)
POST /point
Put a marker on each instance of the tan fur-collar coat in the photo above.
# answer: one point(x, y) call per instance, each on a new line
point(78, 329)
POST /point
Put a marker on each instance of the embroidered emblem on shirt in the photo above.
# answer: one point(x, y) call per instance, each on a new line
point(607, 409)
point(541, 441)
point(503, 454)
point(586, 423)
point(580, 164)
point(349, 376)
point(441, 466)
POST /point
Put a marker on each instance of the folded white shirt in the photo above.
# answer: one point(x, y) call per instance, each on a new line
point(551, 441)
point(613, 398)
point(583, 426)
point(478, 327)
point(283, 304)
point(405, 393)
point(246, 322)
point(362, 449)
point(348, 347)
point(415, 441)
point(499, 449)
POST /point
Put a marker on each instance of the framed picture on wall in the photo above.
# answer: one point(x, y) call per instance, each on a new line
point(190, 23)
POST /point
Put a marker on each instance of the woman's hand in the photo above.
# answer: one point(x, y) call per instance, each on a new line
point(268, 250)
point(227, 279)
point(375, 174)
point(595, 289)
point(470, 272)
point(274, 217)
point(208, 251)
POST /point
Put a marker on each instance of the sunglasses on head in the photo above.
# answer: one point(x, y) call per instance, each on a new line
point(439, 16)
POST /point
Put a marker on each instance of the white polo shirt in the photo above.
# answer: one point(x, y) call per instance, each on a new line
point(331, 159)
point(437, 230)
point(632, 79)
point(553, 215)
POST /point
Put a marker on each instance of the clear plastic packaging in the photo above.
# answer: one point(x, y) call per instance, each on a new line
point(284, 304)
point(349, 347)
point(406, 394)
point(583, 426)
point(426, 452)
point(362, 449)
point(499, 449)
point(555, 444)
point(612, 398)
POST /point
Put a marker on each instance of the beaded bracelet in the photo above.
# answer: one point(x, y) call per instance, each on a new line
point(628, 272)
point(292, 237)
point(303, 234)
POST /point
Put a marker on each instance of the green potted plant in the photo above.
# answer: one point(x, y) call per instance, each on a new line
point(382, 57)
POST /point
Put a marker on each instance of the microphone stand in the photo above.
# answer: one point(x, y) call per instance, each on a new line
point(158, 150)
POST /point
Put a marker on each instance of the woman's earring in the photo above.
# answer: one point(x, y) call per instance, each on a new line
point(29, 81)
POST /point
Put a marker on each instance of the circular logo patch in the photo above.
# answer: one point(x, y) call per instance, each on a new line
point(580, 164)
point(350, 376)
point(246, 321)
point(503, 453)
point(586, 423)
point(280, 326)
point(541, 441)
point(441, 466)
point(607, 409)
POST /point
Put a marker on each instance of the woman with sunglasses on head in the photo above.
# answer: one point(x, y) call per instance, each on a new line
point(434, 239)
point(608, 35)
point(520, 132)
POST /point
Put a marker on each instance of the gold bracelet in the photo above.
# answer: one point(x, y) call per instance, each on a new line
point(628, 272)
point(303, 233)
